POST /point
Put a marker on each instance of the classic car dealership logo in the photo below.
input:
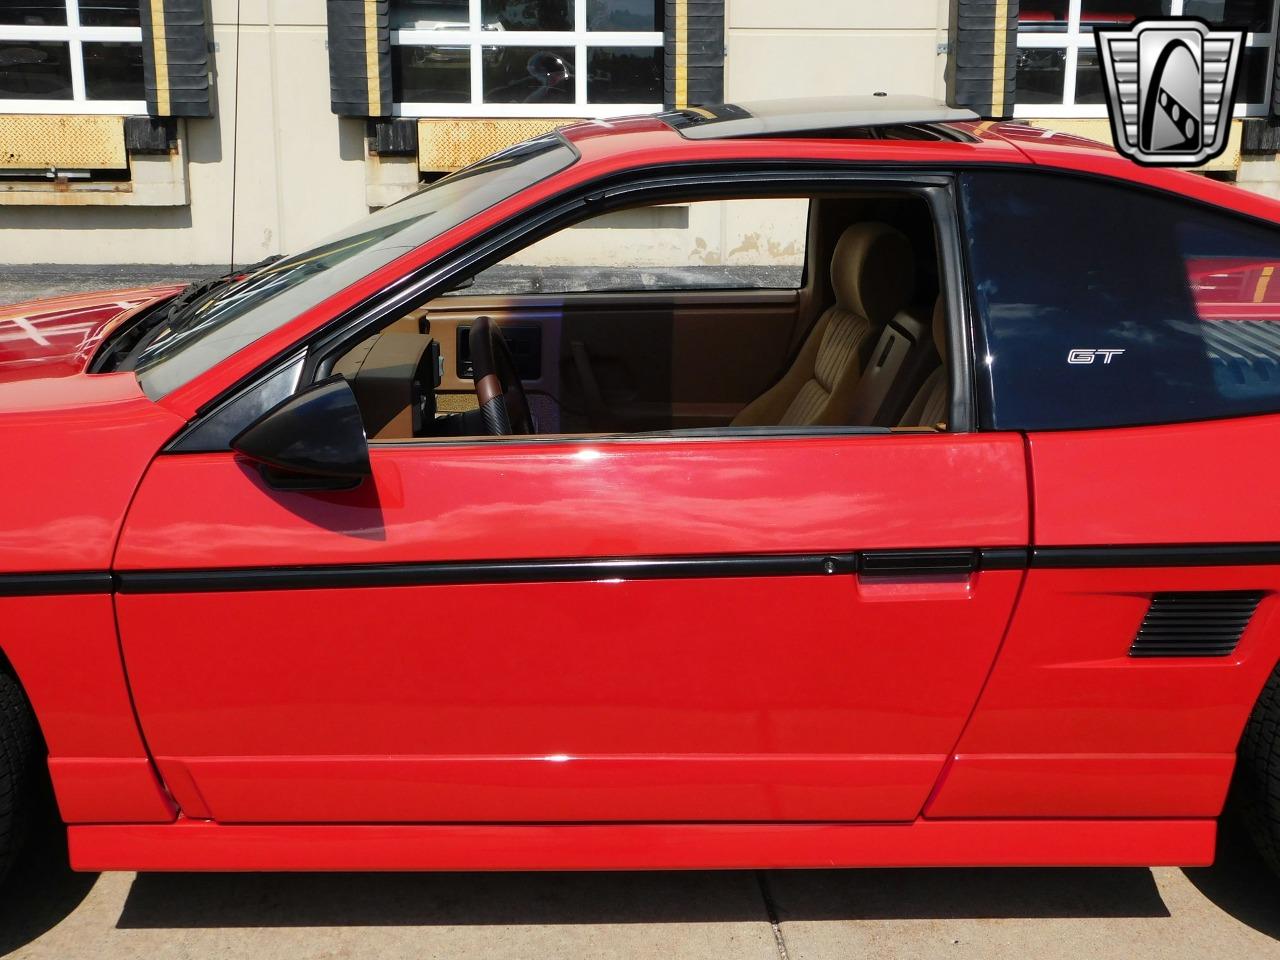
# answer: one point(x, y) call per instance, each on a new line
point(1170, 87)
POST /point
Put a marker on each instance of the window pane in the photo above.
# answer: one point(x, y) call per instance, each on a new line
point(1089, 87)
point(1253, 16)
point(109, 13)
point(31, 70)
point(527, 14)
point(1042, 16)
point(1188, 298)
point(644, 15)
point(34, 13)
point(241, 312)
point(429, 15)
point(113, 71)
point(624, 75)
point(431, 74)
point(707, 245)
point(1251, 86)
point(1118, 13)
point(528, 75)
point(1041, 73)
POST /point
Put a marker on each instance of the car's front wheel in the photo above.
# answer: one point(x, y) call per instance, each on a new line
point(19, 746)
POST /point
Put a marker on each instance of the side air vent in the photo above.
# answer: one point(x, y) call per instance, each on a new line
point(1194, 624)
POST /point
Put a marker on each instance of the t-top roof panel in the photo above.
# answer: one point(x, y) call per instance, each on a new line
point(773, 118)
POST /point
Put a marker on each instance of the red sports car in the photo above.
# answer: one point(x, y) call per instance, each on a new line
point(956, 541)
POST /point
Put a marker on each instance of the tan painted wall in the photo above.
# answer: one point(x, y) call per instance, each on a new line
point(301, 170)
point(709, 233)
point(300, 173)
point(796, 48)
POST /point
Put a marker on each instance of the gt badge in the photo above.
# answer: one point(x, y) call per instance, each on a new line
point(1084, 355)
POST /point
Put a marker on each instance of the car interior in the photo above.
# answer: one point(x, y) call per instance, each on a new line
point(855, 336)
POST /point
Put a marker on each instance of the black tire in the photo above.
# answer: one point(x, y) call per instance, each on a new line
point(19, 768)
point(1256, 790)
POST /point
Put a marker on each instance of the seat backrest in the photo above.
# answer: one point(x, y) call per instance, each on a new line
point(873, 275)
point(929, 406)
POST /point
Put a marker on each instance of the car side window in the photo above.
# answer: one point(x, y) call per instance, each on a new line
point(1100, 305)
point(704, 245)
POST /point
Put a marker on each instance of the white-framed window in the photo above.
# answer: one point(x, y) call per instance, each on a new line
point(1058, 70)
point(71, 56)
point(526, 58)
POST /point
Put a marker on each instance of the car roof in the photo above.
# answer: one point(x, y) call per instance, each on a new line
point(807, 130)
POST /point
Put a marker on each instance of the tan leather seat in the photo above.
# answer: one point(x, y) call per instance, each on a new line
point(929, 406)
point(873, 275)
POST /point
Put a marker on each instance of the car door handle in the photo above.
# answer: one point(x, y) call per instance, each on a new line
point(895, 564)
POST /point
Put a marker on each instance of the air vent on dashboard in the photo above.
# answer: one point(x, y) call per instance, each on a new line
point(1199, 624)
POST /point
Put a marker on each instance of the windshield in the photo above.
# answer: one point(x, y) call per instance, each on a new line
point(191, 342)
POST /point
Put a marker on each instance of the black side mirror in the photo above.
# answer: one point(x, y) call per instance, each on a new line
point(313, 440)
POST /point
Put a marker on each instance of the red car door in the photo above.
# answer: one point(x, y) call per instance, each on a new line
point(661, 629)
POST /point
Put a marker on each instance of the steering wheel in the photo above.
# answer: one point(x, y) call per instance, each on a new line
point(503, 405)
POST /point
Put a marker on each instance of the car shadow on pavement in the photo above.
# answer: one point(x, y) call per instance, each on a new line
point(41, 890)
point(1239, 882)
point(462, 899)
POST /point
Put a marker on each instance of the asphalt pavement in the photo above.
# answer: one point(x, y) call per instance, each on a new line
point(1230, 910)
point(21, 283)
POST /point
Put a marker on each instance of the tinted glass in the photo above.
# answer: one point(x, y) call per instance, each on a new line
point(34, 13)
point(34, 70)
point(430, 15)
point(244, 311)
point(431, 74)
point(1252, 82)
point(528, 74)
point(1171, 318)
point(1250, 15)
point(1041, 74)
point(527, 14)
point(113, 71)
point(1043, 16)
point(643, 15)
point(109, 13)
point(624, 75)
point(1111, 13)
point(1089, 88)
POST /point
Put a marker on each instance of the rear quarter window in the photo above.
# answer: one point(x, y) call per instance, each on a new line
point(1101, 305)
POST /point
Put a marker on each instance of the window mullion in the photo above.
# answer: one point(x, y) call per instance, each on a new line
point(1072, 54)
point(476, 51)
point(76, 51)
point(580, 53)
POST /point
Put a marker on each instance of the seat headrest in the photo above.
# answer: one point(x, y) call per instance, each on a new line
point(873, 271)
point(940, 328)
